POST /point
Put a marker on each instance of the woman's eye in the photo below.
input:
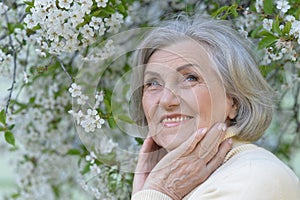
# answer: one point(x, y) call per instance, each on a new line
point(152, 84)
point(191, 77)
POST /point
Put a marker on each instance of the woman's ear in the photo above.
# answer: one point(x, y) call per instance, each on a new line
point(232, 109)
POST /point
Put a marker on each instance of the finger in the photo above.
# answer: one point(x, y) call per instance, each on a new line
point(185, 148)
point(189, 146)
point(149, 145)
point(208, 148)
point(219, 158)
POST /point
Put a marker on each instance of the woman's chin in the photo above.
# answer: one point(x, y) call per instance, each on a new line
point(169, 145)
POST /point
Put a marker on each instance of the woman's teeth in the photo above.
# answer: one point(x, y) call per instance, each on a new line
point(175, 119)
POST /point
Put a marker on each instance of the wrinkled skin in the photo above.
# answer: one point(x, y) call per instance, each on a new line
point(178, 172)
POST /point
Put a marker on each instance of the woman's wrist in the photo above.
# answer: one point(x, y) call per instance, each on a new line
point(158, 187)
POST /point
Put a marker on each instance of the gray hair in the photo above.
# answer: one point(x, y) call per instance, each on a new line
point(235, 62)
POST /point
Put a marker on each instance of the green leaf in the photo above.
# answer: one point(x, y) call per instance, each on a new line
point(265, 33)
point(111, 122)
point(254, 33)
point(2, 117)
point(11, 127)
point(86, 169)
point(9, 137)
point(121, 8)
point(29, 3)
point(265, 69)
point(73, 152)
point(219, 11)
point(275, 26)
point(110, 10)
point(233, 10)
point(139, 140)
point(107, 105)
point(287, 28)
point(267, 41)
point(125, 118)
point(268, 6)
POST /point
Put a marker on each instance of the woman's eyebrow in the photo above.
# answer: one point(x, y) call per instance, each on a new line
point(183, 67)
point(151, 73)
point(178, 69)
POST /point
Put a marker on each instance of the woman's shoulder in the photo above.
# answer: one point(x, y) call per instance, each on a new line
point(251, 172)
point(251, 158)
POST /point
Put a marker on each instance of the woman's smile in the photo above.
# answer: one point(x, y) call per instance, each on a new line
point(174, 120)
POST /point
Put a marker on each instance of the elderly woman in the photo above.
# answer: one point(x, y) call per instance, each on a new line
point(197, 85)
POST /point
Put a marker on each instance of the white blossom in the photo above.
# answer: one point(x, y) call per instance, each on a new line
point(75, 90)
point(86, 6)
point(267, 24)
point(81, 100)
point(101, 3)
point(95, 169)
point(114, 22)
point(65, 3)
point(99, 98)
point(30, 21)
point(76, 15)
point(3, 8)
point(258, 5)
point(99, 121)
point(86, 31)
point(78, 116)
point(289, 18)
point(295, 29)
point(97, 23)
point(88, 123)
point(91, 157)
point(283, 5)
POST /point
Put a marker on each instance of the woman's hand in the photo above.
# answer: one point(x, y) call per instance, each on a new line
point(189, 165)
point(150, 154)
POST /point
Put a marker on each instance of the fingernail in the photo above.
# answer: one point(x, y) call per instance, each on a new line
point(202, 130)
point(222, 127)
point(230, 140)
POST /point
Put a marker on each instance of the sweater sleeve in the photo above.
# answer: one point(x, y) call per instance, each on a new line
point(150, 195)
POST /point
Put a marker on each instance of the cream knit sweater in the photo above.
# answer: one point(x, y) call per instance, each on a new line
point(248, 173)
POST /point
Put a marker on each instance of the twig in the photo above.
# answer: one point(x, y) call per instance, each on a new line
point(64, 69)
point(15, 67)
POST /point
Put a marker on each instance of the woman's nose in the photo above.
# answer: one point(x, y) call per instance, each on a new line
point(169, 99)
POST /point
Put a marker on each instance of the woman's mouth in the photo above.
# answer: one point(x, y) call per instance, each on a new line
point(174, 121)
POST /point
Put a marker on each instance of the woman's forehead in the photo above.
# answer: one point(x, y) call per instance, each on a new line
point(181, 54)
point(186, 50)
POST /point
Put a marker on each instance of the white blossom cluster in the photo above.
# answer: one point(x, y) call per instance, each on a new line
point(12, 42)
point(91, 120)
point(283, 49)
point(98, 185)
point(63, 27)
point(43, 142)
point(101, 53)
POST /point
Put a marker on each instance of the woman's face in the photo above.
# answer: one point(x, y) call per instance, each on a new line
point(182, 93)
